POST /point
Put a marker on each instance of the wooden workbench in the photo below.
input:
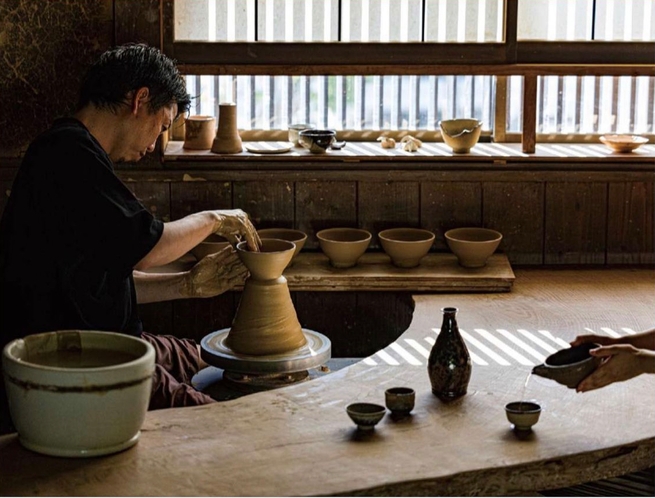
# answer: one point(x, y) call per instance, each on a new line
point(299, 440)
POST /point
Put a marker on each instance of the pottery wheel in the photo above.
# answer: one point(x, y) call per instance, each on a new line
point(313, 354)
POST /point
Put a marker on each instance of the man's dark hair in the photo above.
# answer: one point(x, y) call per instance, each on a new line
point(126, 68)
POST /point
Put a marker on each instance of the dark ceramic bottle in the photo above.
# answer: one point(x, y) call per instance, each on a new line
point(449, 365)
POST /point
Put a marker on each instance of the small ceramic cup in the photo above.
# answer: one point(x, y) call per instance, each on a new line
point(365, 415)
point(522, 414)
point(400, 400)
point(199, 132)
point(294, 132)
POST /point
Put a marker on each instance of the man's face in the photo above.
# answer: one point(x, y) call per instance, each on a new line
point(144, 131)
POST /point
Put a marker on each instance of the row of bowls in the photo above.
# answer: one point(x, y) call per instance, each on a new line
point(405, 246)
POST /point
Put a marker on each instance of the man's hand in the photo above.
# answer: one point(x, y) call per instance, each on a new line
point(621, 362)
point(234, 224)
point(214, 274)
point(603, 340)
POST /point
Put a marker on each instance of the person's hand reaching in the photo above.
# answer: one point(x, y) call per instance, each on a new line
point(233, 224)
point(215, 274)
point(620, 362)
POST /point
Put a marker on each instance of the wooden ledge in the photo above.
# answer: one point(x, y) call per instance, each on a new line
point(438, 272)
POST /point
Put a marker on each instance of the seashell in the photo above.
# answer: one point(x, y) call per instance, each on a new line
point(387, 142)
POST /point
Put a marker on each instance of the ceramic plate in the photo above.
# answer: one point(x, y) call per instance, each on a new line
point(269, 148)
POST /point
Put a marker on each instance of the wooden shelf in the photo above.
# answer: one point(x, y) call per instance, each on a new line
point(438, 272)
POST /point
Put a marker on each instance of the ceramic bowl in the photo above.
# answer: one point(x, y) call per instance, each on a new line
point(473, 245)
point(623, 143)
point(400, 400)
point(365, 415)
point(270, 261)
point(294, 132)
point(78, 393)
point(343, 246)
point(212, 244)
point(317, 141)
point(460, 134)
point(522, 414)
point(406, 246)
point(298, 237)
point(569, 366)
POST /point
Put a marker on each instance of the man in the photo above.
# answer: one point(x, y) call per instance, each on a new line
point(74, 241)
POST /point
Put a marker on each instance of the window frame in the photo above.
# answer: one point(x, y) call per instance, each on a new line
point(529, 59)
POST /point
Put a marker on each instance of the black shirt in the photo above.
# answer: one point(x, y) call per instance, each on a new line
point(70, 236)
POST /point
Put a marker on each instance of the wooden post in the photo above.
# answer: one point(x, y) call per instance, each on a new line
point(500, 111)
point(529, 127)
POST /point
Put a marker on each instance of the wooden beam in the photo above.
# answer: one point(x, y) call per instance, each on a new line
point(529, 126)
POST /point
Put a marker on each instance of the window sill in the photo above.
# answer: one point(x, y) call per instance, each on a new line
point(593, 155)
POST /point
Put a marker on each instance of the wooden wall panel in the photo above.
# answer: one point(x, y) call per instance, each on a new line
point(576, 223)
point(357, 323)
point(322, 205)
point(446, 205)
point(155, 196)
point(333, 314)
point(192, 197)
point(384, 205)
point(630, 227)
point(516, 211)
point(195, 318)
point(268, 203)
point(137, 22)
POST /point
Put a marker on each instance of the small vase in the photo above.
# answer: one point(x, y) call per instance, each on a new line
point(227, 139)
point(449, 364)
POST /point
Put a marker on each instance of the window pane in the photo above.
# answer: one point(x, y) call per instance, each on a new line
point(464, 20)
point(625, 20)
point(585, 20)
point(214, 20)
point(555, 19)
point(407, 102)
point(298, 20)
point(381, 20)
point(588, 104)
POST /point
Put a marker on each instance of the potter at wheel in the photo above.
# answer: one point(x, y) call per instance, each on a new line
point(266, 338)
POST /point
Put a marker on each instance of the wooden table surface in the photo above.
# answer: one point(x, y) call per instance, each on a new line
point(299, 440)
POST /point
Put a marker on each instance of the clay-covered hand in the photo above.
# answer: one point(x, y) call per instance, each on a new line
point(214, 274)
point(233, 224)
point(621, 362)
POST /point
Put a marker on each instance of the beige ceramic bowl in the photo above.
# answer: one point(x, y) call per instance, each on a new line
point(294, 132)
point(406, 246)
point(623, 143)
point(77, 393)
point(473, 245)
point(460, 134)
point(298, 237)
point(269, 262)
point(343, 246)
point(212, 244)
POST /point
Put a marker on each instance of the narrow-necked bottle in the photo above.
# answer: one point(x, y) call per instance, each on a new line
point(449, 365)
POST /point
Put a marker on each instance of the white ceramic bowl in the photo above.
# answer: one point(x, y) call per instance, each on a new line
point(77, 393)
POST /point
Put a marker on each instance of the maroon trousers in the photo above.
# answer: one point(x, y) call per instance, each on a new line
point(176, 362)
